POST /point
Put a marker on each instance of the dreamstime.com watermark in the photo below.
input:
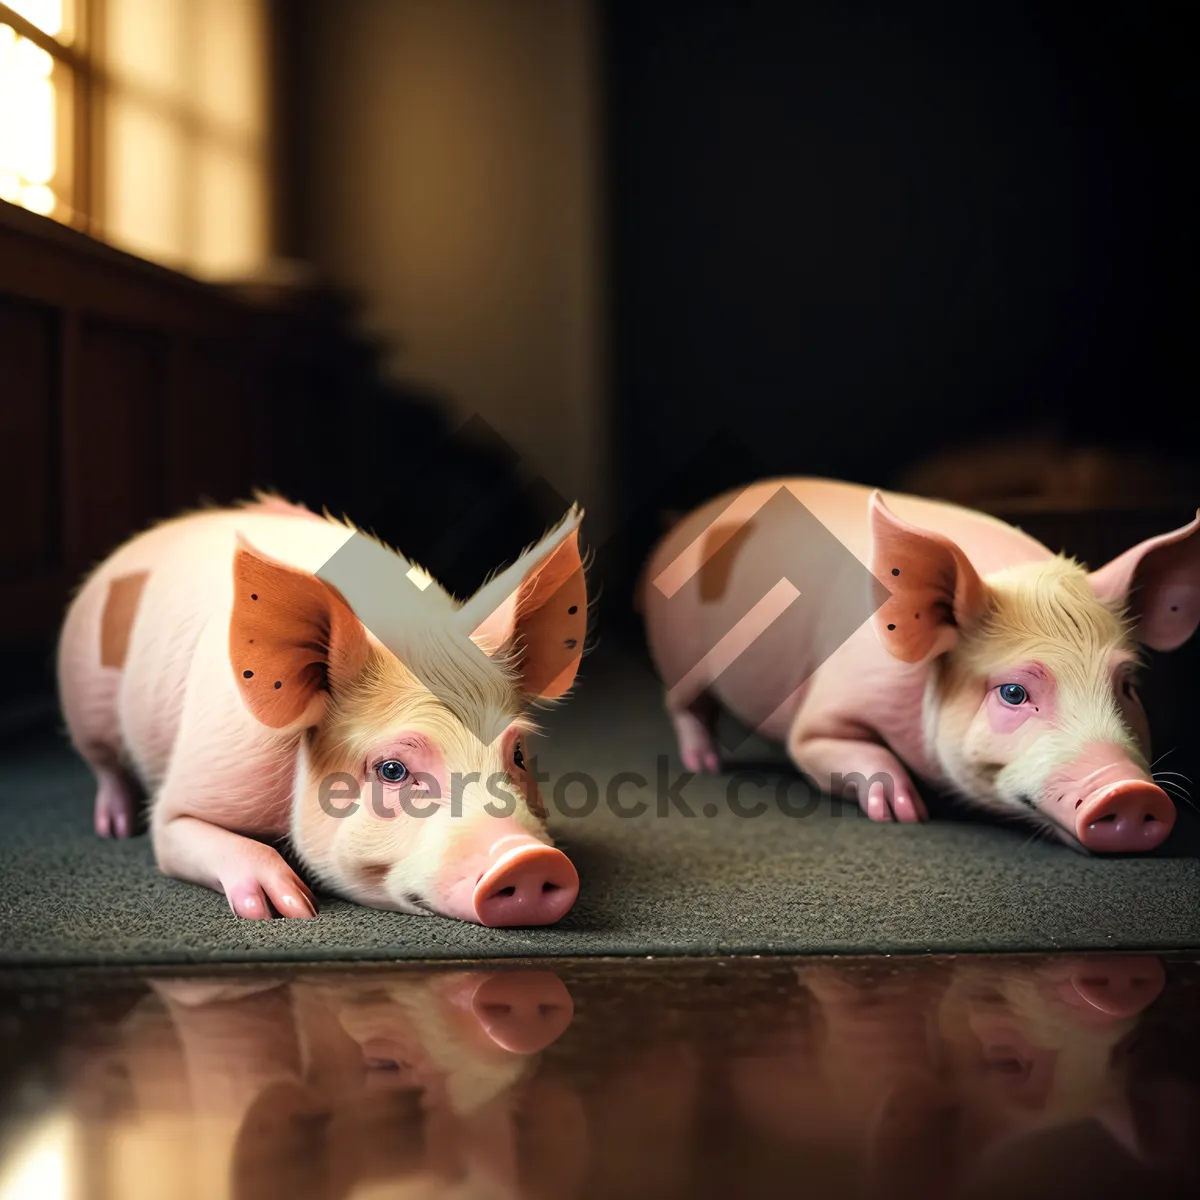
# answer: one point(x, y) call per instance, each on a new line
point(577, 794)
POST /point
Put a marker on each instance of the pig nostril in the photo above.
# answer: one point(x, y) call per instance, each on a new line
point(497, 1009)
point(549, 887)
point(1149, 817)
point(507, 891)
point(1108, 818)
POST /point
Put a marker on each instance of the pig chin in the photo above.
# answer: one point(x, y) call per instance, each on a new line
point(381, 867)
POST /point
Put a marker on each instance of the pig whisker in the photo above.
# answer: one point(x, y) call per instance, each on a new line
point(1042, 828)
point(1179, 795)
point(1177, 790)
point(1162, 756)
point(1171, 775)
point(1167, 782)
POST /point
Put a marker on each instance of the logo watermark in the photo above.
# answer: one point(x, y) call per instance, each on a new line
point(797, 597)
point(744, 794)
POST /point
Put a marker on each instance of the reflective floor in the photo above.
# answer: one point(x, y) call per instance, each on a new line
point(973, 1077)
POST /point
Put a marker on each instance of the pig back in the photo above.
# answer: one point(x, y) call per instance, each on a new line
point(748, 595)
point(176, 633)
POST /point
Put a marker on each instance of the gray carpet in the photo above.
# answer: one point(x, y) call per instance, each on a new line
point(831, 882)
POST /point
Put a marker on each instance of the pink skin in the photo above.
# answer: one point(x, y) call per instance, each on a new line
point(863, 710)
point(1109, 803)
point(494, 871)
point(505, 877)
point(253, 877)
point(827, 757)
point(222, 770)
point(1041, 704)
point(1102, 797)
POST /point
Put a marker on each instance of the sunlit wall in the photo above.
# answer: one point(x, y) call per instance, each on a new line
point(143, 122)
point(454, 171)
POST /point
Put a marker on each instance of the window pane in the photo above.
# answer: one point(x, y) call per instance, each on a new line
point(184, 168)
point(230, 65)
point(146, 45)
point(144, 181)
point(50, 16)
point(230, 212)
point(34, 131)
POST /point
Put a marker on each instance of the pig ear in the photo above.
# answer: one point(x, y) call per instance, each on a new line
point(1159, 582)
point(537, 610)
point(934, 589)
point(293, 639)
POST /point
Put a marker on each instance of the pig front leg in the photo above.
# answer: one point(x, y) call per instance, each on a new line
point(869, 771)
point(224, 774)
point(249, 873)
point(694, 724)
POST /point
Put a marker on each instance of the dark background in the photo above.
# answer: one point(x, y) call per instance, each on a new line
point(852, 234)
point(836, 238)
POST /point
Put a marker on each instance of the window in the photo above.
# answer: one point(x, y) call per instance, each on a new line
point(142, 122)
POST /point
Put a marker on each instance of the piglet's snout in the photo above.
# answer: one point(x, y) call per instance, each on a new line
point(497, 873)
point(525, 884)
point(1110, 805)
point(1134, 814)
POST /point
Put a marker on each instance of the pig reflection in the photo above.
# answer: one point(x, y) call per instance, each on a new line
point(210, 662)
point(993, 668)
point(1035, 1046)
point(414, 1082)
point(916, 1077)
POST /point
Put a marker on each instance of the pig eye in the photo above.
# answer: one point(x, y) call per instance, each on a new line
point(1013, 693)
point(1128, 689)
point(518, 757)
point(392, 771)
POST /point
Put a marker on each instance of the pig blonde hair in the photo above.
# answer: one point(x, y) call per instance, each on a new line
point(1045, 610)
point(444, 686)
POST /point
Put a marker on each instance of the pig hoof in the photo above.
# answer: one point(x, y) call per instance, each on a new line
point(254, 899)
point(905, 805)
point(877, 807)
point(114, 809)
point(908, 808)
point(905, 808)
point(701, 760)
point(697, 751)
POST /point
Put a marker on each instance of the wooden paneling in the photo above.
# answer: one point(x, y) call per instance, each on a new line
point(128, 393)
point(216, 436)
point(114, 424)
point(29, 478)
